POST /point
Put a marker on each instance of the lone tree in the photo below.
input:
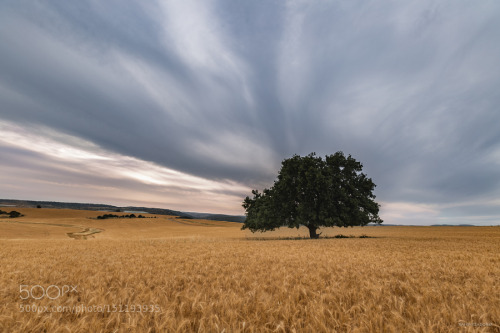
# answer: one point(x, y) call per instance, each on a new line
point(314, 192)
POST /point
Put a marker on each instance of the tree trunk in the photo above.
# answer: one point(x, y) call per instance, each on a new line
point(312, 231)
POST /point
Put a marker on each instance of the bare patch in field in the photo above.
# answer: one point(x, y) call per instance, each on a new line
point(85, 234)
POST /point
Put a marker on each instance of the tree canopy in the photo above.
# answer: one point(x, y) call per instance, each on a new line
point(314, 192)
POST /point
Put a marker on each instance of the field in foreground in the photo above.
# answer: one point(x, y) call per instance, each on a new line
point(165, 274)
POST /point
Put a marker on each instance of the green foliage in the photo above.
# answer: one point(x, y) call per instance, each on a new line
point(13, 214)
point(314, 192)
point(113, 216)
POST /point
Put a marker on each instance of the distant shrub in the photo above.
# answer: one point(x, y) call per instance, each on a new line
point(342, 236)
point(14, 214)
point(107, 216)
point(113, 216)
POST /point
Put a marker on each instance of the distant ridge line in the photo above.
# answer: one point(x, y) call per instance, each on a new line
point(100, 207)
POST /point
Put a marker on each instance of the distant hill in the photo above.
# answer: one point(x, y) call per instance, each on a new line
point(382, 225)
point(157, 211)
point(452, 225)
point(416, 225)
point(218, 217)
point(111, 208)
point(53, 204)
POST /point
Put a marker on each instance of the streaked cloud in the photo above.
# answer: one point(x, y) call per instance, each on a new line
point(40, 160)
point(165, 100)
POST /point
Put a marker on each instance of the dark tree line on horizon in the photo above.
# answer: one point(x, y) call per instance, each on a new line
point(113, 216)
point(13, 214)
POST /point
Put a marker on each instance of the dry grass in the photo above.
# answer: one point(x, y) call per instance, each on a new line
point(211, 277)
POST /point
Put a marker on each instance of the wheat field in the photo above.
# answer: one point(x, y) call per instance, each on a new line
point(169, 275)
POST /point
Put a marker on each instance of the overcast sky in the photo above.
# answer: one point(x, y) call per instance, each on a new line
point(189, 105)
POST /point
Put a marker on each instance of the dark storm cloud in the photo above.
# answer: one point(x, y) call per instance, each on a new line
point(66, 76)
point(225, 90)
